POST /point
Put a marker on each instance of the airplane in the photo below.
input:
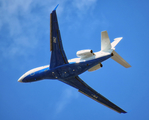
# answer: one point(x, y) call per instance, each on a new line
point(67, 71)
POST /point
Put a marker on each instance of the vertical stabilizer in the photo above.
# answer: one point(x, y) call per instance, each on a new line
point(105, 41)
point(106, 46)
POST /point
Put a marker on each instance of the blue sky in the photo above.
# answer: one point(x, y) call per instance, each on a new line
point(24, 44)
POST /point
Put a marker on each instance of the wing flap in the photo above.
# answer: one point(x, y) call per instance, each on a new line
point(51, 32)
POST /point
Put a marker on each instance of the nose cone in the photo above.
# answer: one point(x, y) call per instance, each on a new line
point(20, 79)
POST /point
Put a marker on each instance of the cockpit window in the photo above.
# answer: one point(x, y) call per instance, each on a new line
point(32, 74)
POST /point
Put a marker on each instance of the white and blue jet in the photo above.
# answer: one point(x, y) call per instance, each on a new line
point(67, 71)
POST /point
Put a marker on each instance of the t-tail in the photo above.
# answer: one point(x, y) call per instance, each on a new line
point(107, 46)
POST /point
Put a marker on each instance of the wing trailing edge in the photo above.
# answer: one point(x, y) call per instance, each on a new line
point(51, 32)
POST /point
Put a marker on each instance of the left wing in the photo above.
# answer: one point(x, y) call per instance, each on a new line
point(58, 56)
point(88, 91)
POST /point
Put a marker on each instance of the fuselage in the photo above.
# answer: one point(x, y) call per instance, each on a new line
point(75, 67)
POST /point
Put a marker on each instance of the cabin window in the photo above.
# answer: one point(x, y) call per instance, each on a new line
point(45, 70)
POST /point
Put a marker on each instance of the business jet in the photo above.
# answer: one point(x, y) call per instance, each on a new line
point(67, 71)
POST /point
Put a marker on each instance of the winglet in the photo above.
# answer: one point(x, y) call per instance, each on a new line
point(56, 7)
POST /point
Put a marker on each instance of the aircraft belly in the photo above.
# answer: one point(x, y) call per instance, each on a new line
point(64, 71)
point(71, 70)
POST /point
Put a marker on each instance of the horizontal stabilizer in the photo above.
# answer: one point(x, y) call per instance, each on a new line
point(120, 60)
point(116, 41)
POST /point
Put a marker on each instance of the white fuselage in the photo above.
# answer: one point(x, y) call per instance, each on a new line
point(94, 56)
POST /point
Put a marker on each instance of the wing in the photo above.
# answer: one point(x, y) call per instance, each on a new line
point(58, 56)
point(88, 91)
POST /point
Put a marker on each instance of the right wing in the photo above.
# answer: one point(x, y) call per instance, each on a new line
point(88, 91)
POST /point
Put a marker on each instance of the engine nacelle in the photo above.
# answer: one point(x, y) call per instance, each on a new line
point(96, 67)
point(85, 53)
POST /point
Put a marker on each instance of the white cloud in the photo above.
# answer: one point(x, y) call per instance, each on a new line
point(17, 19)
point(67, 95)
point(20, 19)
point(84, 4)
point(8, 13)
point(22, 22)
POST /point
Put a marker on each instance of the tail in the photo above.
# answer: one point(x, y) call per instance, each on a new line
point(107, 46)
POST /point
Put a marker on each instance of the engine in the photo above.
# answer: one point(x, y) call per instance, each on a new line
point(85, 53)
point(96, 67)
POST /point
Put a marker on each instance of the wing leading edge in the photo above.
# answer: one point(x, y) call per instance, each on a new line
point(58, 56)
point(88, 91)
